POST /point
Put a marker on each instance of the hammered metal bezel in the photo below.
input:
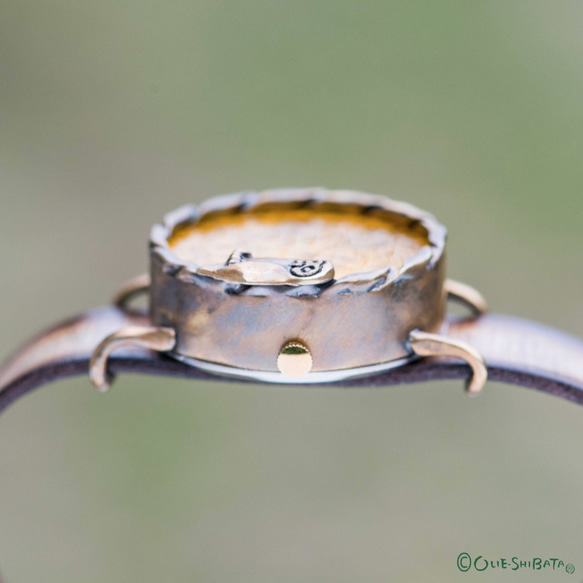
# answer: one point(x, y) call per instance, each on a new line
point(304, 198)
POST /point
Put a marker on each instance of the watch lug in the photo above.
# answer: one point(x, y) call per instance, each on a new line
point(130, 289)
point(466, 295)
point(426, 344)
point(150, 337)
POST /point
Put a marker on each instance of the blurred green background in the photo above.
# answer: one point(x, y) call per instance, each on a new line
point(113, 113)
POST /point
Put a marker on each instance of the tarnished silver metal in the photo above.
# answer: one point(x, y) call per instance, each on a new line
point(152, 338)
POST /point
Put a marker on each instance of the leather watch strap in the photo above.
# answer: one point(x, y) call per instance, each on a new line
point(516, 351)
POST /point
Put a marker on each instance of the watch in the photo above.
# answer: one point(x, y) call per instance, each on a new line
point(299, 287)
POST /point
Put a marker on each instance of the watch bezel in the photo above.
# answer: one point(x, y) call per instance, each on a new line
point(242, 202)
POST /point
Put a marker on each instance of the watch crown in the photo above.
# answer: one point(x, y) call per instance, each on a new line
point(294, 359)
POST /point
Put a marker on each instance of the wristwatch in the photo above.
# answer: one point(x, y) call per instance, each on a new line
point(299, 287)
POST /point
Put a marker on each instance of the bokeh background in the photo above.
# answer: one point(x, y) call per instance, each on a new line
point(113, 113)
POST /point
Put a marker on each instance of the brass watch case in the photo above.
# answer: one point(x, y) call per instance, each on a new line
point(252, 319)
point(360, 320)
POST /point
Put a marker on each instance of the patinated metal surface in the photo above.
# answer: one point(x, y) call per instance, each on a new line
point(427, 344)
point(150, 337)
point(357, 320)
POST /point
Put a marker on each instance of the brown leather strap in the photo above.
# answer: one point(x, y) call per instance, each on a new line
point(516, 351)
